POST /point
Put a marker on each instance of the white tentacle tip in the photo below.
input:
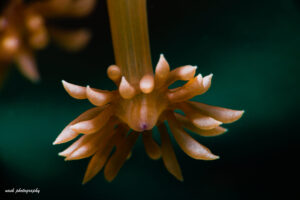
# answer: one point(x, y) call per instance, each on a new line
point(199, 78)
point(126, 90)
point(206, 83)
point(195, 67)
point(58, 140)
point(162, 67)
point(147, 84)
point(162, 57)
point(55, 142)
point(75, 91)
point(215, 157)
point(219, 123)
point(240, 114)
point(188, 72)
point(62, 154)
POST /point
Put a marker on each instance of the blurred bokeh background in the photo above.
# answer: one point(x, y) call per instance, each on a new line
point(253, 49)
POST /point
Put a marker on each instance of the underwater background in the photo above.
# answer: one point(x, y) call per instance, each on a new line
point(253, 49)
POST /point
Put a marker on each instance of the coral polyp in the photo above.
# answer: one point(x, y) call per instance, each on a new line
point(24, 29)
point(122, 115)
point(143, 100)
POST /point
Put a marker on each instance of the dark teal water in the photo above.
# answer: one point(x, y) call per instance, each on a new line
point(253, 50)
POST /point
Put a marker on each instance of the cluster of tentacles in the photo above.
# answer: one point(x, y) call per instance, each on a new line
point(23, 29)
point(139, 108)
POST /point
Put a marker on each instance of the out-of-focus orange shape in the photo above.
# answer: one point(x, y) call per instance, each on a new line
point(23, 30)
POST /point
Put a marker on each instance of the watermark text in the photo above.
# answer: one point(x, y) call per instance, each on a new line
point(22, 191)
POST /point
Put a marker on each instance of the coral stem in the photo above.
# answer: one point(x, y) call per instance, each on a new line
point(129, 29)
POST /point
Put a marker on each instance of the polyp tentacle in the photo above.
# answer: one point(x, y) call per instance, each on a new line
point(141, 102)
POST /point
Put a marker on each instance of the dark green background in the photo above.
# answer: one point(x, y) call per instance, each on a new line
point(253, 49)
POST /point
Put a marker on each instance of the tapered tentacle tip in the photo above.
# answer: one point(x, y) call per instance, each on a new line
point(199, 77)
point(65, 83)
point(36, 79)
point(27, 65)
point(214, 157)
point(192, 69)
point(88, 89)
point(235, 115)
point(210, 75)
point(190, 72)
point(207, 80)
point(61, 154)
point(98, 97)
point(31, 73)
point(108, 177)
point(75, 91)
point(210, 156)
point(126, 90)
point(56, 142)
point(185, 72)
point(224, 130)
point(180, 178)
point(84, 181)
point(162, 68)
point(162, 57)
point(109, 180)
point(239, 114)
point(87, 177)
point(59, 140)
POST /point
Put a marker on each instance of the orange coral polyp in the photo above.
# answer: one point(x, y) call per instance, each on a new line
point(141, 102)
point(141, 111)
